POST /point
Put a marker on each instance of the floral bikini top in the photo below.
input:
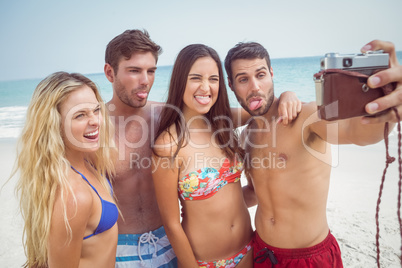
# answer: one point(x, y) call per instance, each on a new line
point(206, 182)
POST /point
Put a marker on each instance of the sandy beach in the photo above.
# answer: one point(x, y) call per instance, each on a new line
point(351, 206)
point(11, 250)
point(352, 201)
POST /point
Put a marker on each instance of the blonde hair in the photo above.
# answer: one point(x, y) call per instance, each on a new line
point(42, 164)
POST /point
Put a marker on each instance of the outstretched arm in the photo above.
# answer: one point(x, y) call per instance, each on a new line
point(393, 74)
point(347, 131)
point(353, 131)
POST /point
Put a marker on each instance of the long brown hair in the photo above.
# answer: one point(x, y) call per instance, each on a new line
point(219, 116)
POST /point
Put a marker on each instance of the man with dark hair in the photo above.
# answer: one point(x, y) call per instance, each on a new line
point(131, 59)
point(292, 190)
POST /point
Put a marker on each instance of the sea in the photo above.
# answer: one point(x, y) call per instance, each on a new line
point(290, 74)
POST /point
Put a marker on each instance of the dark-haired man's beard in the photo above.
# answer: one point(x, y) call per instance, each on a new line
point(265, 108)
point(267, 100)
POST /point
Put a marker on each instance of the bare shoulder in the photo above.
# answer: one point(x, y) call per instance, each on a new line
point(308, 117)
point(309, 109)
point(77, 205)
point(166, 144)
point(79, 202)
point(313, 124)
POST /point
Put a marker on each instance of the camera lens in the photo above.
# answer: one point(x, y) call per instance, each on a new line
point(347, 62)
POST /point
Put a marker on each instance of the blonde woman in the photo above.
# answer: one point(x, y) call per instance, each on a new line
point(64, 156)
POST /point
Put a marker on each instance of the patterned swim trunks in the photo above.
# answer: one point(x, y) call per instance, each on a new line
point(151, 249)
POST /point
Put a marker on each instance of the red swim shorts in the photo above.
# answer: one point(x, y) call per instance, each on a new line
point(323, 255)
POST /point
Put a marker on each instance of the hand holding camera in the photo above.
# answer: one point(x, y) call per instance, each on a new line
point(341, 85)
point(391, 75)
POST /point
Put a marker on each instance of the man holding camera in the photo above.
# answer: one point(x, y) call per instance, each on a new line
point(290, 166)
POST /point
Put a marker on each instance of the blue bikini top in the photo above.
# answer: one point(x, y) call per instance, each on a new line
point(109, 211)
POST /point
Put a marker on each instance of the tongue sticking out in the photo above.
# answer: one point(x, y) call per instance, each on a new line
point(255, 104)
point(142, 95)
point(203, 100)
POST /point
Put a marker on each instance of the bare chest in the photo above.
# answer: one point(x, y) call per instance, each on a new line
point(133, 140)
point(276, 152)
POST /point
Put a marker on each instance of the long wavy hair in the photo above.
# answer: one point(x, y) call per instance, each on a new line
point(219, 116)
point(42, 164)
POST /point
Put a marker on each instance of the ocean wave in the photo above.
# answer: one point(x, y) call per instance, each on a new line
point(12, 120)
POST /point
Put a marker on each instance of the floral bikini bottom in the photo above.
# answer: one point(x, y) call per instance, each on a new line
point(229, 262)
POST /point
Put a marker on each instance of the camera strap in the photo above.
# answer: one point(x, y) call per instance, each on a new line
point(387, 90)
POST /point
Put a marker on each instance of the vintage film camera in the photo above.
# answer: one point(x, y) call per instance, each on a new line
point(341, 85)
point(365, 63)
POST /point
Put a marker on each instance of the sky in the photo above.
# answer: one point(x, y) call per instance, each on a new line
point(39, 37)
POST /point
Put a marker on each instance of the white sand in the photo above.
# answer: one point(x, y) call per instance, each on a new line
point(11, 250)
point(351, 207)
point(352, 201)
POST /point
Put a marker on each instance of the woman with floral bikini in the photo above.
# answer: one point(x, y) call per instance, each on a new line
point(197, 154)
